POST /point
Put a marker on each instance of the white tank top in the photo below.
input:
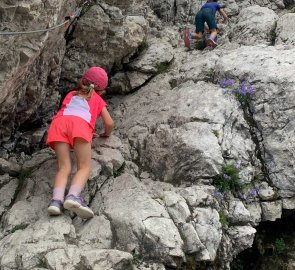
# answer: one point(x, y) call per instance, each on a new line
point(78, 106)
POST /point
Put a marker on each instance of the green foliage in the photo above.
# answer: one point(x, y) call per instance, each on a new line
point(279, 247)
point(119, 171)
point(272, 35)
point(136, 259)
point(162, 67)
point(216, 133)
point(241, 89)
point(223, 220)
point(292, 10)
point(22, 178)
point(173, 83)
point(143, 46)
point(200, 45)
point(24, 174)
point(228, 179)
point(19, 227)
point(243, 99)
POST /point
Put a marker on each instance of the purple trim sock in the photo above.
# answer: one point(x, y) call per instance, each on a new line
point(75, 190)
point(58, 194)
point(213, 38)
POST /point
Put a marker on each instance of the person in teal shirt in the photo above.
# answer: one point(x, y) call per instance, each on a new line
point(206, 15)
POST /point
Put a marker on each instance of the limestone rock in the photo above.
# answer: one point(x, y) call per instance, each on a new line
point(238, 213)
point(24, 89)
point(148, 225)
point(155, 59)
point(254, 25)
point(271, 210)
point(283, 36)
point(117, 40)
point(9, 167)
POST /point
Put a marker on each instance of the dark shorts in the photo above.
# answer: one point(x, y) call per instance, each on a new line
point(205, 15)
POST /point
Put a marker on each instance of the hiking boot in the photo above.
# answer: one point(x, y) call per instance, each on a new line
point(186, 37)
point(211, 43)
point(78, 206)
point(55, 207)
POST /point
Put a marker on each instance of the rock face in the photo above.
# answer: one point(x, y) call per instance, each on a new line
point(107, 41)
point(254, 26)
point(179, 130)
point(31, 63)
point(283, 24)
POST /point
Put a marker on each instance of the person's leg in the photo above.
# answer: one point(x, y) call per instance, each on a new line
point(62, 152)
point(210, 20)
point(213, 34)
point(82, 151)
point(73, 200)
point(199, 22)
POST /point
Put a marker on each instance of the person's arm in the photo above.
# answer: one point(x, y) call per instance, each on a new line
point(108, 123)
point(223, 14)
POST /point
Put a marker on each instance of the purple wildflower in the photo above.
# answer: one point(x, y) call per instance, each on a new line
point(243, 84)
point(242, 91)
point(254, 192)
point(225, 176)
point(238, 165)
point(226, 83)
point(250, 89)
point(218, 194)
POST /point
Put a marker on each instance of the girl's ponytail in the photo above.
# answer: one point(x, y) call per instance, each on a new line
point(85, 88)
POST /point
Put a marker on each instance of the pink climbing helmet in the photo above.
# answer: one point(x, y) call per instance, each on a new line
point(96, 75)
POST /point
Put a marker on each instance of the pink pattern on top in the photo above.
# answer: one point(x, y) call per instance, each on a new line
point(88, 110)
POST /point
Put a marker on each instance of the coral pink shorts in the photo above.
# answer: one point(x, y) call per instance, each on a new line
point(66, 128)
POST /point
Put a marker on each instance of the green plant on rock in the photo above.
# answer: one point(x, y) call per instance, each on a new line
point(173, 83)
point(136, 259)
point(162, 67)
point(201, 45)
point(223, 219)
point(216, 133)
point(242, 90)
point(279, 247)
point(143, 46)
point(19, 227)
point(22, 178)
point(272, 35)
point(119, 171)
point(228, 179)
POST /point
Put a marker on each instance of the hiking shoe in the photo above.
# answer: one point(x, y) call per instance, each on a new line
point(186, 37)
point(78, 206)
point(211, 43)
point(55, 207)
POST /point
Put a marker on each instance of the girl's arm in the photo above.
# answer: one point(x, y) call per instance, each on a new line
point(108, 123)
point(223, 14)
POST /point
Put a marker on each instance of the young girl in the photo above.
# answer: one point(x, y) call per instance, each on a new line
point(206, 15)
point(73, 128)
